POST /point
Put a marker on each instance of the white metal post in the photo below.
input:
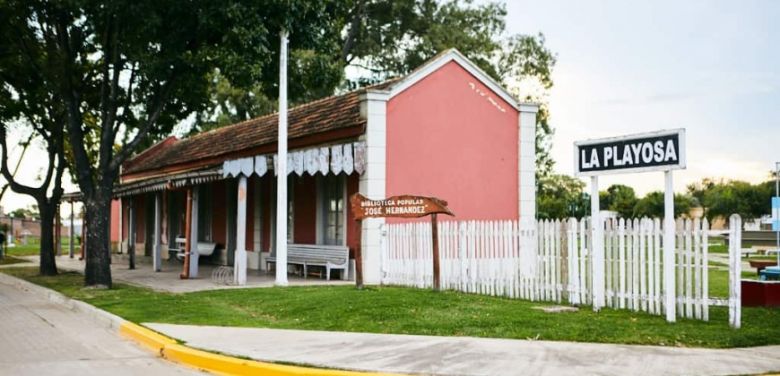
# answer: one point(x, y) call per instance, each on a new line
point(156, 258)
point(777, 194)
point(669, 282)
point(194, 254)
point(281, 174)
point(239, 258)
point(598, 245)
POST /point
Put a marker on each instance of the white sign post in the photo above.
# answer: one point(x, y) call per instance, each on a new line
point(655, 151)
point(776, 210)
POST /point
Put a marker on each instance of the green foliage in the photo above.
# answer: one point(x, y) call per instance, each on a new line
point(737, 197)
point(376, 40)
point(29, 212)
point(619, 198)
point(652, 205)
point(561, 196)
point(417, 311)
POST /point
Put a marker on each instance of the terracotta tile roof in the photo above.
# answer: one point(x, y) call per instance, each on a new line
point(319, 117)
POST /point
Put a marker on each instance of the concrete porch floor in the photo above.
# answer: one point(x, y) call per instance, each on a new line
point(168, 279)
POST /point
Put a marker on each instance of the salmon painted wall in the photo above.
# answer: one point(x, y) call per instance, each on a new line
point(448, 137)
point(115, 220)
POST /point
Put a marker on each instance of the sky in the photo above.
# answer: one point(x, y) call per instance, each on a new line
point(711, 67)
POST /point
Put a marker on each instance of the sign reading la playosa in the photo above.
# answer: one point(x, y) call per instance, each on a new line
point(662, 150)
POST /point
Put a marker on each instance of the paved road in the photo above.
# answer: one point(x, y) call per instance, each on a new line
point(470, 356)
point(41, 338)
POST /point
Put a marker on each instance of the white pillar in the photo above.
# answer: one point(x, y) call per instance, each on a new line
point(72, 233)
point(194, 255)
point(131, 235)
point(156, 258)
point(526, 165)
point(372, 184)
point(281, 174)
point(669, 275)
point(239, 258)
point(598, 245)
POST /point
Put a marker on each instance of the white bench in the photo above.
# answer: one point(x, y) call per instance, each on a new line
point(203, 248)
point(329, 256)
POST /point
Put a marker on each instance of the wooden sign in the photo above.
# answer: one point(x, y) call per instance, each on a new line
point(405, 206)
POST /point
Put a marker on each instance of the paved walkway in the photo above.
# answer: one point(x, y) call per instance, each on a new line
point(168, 279)
point(469, 356)
point(38, 337)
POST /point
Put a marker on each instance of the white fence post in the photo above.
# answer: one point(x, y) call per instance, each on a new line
point(735, 271)
point(554, 261)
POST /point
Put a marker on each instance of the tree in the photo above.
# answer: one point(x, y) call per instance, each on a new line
point(25, 103)
point(620, 199)
point(29, 212)
point(698, 190)
point(652, 205)
point(24, 145)
point(46, 122)
point(387, 38)
point(738, 197)
point(561, 196)
point(125, 72)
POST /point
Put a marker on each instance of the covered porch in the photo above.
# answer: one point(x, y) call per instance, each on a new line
point(167, 278)
point(228, 213)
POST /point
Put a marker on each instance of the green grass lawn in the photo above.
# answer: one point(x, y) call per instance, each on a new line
point(8, 260)
point(413, 311)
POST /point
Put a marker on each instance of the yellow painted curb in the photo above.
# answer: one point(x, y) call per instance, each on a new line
point(219, 364)
point(225, 365)
point(148, 338)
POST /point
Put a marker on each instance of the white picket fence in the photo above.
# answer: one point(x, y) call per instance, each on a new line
point(551, 261)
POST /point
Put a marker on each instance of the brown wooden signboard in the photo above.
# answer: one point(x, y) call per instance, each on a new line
point(405, 206)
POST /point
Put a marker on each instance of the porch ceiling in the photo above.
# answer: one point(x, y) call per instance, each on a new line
point(169, 181)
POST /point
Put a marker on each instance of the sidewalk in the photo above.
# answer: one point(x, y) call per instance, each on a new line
point(38, 337)
point(468, 356)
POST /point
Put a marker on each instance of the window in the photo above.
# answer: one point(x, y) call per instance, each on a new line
point(332, 210)
point(204, 213)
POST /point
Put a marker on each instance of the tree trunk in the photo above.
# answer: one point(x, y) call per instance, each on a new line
point(48, 263)
point(98, 215)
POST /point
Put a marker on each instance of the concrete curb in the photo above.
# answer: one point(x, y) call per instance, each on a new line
point(106, 319)
point(167, 347)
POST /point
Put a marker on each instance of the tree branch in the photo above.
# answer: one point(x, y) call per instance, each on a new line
point(128, 148)
point(15, 186)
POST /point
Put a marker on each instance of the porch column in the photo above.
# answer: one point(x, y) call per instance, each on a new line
point(131, 232)
point(239, 257)
point(526, 173)
point(281, 173)
point(73, 233)
point(194, 255)
point(156, 260)
point(57, 230)
point(372, 182)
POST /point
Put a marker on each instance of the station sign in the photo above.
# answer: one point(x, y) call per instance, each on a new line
point(655, 151)
point(775, 213)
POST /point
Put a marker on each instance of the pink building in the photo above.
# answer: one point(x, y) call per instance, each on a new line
point(445, 130)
